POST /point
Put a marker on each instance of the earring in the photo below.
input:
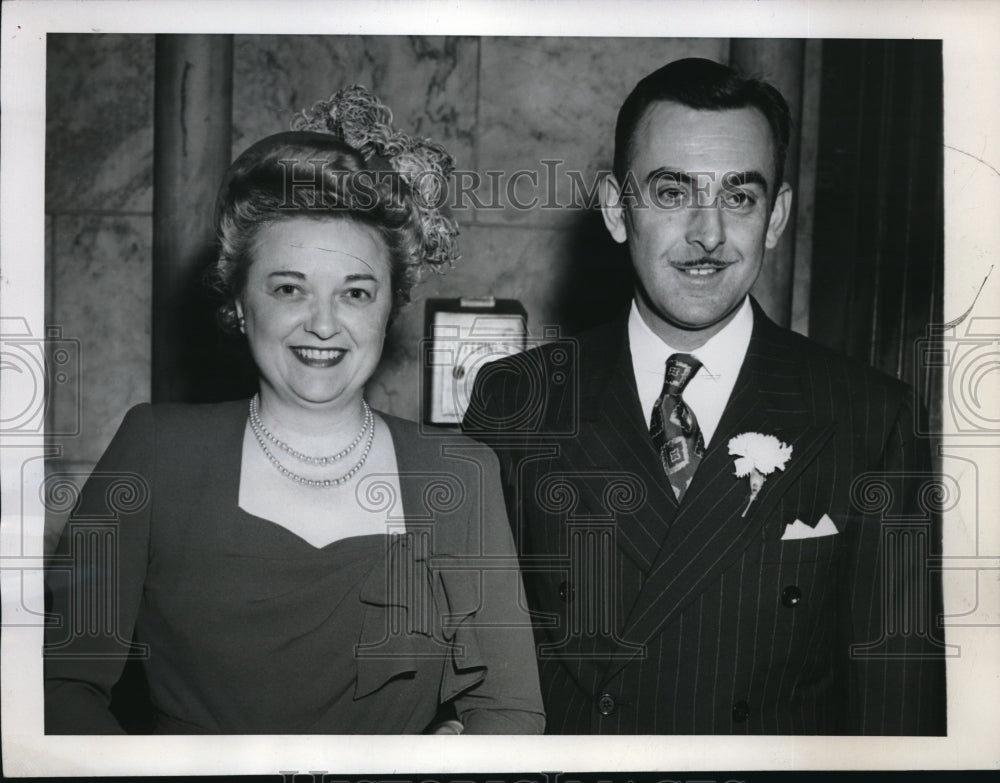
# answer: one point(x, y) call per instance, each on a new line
point(243, 324)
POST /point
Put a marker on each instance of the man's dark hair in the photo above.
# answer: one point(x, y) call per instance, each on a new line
point(702, 84)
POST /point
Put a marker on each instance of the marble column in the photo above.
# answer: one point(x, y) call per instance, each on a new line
point(780, 62)
point(193, 127)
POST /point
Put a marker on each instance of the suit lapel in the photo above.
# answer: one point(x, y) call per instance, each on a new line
point(417, 464)
point(709, 530)
point(615, 437)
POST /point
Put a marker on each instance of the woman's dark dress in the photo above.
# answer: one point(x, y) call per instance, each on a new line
point(249, 629)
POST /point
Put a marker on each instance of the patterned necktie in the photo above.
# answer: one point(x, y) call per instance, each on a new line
point(673, 426)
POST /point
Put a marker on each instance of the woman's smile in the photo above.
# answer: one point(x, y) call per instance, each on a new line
point(319, 357)
point(316, 303)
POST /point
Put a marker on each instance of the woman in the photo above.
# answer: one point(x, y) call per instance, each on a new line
point(299, 563)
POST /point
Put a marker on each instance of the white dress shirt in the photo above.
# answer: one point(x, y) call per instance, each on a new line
point(707, 393)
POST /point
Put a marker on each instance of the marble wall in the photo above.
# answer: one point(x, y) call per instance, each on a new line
point(498, 104)
point(98, 202)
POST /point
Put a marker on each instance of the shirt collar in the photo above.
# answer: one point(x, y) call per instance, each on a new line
point(721, 356)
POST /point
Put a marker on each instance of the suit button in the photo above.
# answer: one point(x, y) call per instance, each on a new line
point(740, 711)
point(791, 596)
point(606, 704)
point(566, 591)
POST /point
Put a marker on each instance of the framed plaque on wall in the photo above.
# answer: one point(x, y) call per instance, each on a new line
point(461, 336)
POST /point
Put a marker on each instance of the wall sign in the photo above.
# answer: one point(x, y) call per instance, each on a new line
point(463, 335)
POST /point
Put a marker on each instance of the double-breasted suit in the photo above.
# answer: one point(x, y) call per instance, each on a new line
point(703, 616)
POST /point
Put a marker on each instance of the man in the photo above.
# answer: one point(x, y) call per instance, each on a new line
point(718, 520)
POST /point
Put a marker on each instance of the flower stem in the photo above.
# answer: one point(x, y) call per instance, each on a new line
point(753, 497)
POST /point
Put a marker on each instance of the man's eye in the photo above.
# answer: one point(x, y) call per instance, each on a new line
point(736, 199)
point(671, 196)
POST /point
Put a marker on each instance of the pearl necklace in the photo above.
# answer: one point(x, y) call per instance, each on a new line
point(262, 436)
point(258, 427)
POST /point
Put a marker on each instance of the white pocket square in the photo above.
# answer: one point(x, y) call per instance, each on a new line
point(799, 529)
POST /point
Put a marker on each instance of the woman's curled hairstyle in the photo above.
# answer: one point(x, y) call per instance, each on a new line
point(314, 175)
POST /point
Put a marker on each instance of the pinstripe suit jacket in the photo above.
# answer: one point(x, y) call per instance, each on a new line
point(653, 617)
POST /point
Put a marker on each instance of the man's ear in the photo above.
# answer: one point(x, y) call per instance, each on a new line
point(612, 208)
point(779, 215)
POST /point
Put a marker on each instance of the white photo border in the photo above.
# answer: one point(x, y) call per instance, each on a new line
point(972, 191)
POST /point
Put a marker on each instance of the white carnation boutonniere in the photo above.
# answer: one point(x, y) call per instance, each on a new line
point(758, 456)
